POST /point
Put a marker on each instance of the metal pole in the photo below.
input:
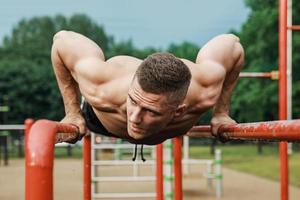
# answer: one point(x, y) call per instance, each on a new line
point(5, 147)
point(255, 75)
point(218, 174)
point(87, 168)
point(186, 156)
point(289, 68)
point(282, 45)
point(177, 151)
point(159, 172)
point(168, 173)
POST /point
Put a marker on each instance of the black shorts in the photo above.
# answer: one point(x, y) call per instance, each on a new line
point(92, 121)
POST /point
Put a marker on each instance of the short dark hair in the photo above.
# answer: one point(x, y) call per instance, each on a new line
point(163, 73)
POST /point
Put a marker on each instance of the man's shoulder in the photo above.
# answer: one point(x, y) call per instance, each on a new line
point(130, 63)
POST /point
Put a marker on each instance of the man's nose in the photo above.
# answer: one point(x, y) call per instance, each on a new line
point(136, 116)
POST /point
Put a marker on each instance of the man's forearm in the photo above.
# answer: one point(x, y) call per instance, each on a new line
point(67, 85)
point(223, 104)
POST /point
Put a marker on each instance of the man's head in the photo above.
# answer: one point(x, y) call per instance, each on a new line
point(156, 95)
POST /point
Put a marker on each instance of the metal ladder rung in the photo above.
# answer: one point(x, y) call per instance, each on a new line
point(123, 195)
point(122, 162)
point(124, 178)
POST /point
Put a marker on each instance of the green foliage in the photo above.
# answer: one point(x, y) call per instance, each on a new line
point(256, 100)
point(296, 61)
point(185, 50)
point(29, 90)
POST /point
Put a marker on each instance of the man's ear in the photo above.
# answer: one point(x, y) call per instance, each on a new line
point(180, 110)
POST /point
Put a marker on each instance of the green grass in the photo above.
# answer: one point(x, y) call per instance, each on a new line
point(245, 158)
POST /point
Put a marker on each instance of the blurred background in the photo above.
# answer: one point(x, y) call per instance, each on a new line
point(28, 88)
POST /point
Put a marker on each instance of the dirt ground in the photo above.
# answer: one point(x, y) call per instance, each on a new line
point(68, 183)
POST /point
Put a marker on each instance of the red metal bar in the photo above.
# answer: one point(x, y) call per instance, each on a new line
point(39, 158)
point(87, 194)
point(28, 124)
point(294, 27)
point(159, 172)
point(282, 48)
point(282, 130)
point(255, 75)
point(177, 153)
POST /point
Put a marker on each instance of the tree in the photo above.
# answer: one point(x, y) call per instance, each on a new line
point(29, 91)
point(253, 99)
point(259, 35)
point(26, 77)
point(32, 39)
point(185, 50)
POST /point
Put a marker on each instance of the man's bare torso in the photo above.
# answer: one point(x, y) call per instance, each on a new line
point(110, 103)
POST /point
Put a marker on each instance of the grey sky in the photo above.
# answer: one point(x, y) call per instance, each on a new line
point(154, 23)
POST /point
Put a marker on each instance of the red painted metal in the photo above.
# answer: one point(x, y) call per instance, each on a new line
point(177, 153)
point(87, 178)
point(282, 60)
point(281, 130)
point(159, 172)
point(294, 28)
point(255, 75)
point(39, 158)
point(28, 124)
point(282, 48)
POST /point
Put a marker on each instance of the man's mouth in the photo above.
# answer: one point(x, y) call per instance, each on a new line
point(136, 129)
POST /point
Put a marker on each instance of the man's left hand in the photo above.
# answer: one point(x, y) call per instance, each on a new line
point(219, 120)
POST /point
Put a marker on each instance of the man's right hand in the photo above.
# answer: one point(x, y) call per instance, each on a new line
point(76, 120)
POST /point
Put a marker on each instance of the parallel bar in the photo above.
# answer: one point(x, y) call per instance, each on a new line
point(281, 130)
point(294, 27)
point(39, 158)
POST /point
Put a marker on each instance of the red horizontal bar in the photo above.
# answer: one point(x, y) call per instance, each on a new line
point(255, 74)
point(66, 128)
point(294, 28)
point(283, 130)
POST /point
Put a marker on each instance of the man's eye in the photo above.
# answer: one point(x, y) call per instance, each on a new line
point(152, 113)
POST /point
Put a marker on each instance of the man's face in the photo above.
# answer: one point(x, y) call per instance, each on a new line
point(147, 113)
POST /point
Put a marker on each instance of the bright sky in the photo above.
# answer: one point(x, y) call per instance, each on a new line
point(155, 23)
